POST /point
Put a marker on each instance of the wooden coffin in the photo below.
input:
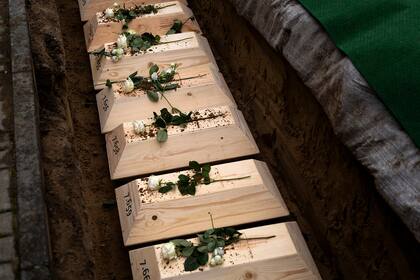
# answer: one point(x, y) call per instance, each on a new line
point(148, 215)
point(193, 49)
point(89, 8)
point(222, 134)
point(285, 256)
point(210, 89)
point(99, 30)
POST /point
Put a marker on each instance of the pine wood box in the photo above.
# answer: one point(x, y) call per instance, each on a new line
point(116, 107)
point(147, 215)
point(97, 32)
point(192, 50)
point(88, 8)
point(223, 137)
point(286, 256)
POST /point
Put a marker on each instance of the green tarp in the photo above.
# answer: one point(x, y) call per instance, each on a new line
point(382, 38)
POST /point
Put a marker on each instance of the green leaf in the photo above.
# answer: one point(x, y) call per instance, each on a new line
point(194, 165)
point(183, 184)
point(170, 32)
point(187, 251)
point(191, 264)
point(154, 68)
point(133, 75)
point(192, 188)
point(176, 27)
point(208, 233)
point(206, 177)
point(166, 188)
point(220, 243)
point(166, 115)
point(162, 135)
point(183, 178)
point(211, 246)
point(202, 259)
point(153, 96)
point(170, 87)
point(202, 249)
point(206, 167)
point(181, 242)
point(108, 83)
point(159, 122)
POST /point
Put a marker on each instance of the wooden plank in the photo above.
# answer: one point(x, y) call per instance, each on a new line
point(223, 137)
point(98, 32)
point(285, 256)
point(116, 107)
point(231, 203)
point(193, 49)
point(89, 8)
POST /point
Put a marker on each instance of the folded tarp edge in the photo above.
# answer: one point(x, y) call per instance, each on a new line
point(358, 117)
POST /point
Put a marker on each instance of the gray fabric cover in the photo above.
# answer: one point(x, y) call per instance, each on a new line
point(358, 117)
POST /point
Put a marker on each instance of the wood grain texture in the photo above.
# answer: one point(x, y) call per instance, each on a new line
point(231, 203)
point(97, 33)
point(283, 257)
point(192, 50)
point(88, 8)
point(115, 107)
point(206, 144)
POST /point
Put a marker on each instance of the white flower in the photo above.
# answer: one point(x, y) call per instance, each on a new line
point(169, 70)
point(216, 260)
point(168, 251)
point(118, 52)
point(173, 65)
point(219, 251)
point(131, 31)
point(116, 5)
point(122, 41)
point(128, 85)
point(154, 183)
point(154, 76)
point(109, 13)
point(139, 127)
point(115, 58)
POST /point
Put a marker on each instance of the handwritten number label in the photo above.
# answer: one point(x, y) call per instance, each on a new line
point(128, 205)
point(105, 105)
point(145, 269)
point(115, 145)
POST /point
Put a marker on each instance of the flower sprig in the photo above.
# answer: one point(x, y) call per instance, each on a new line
point(154, 85)
point(177, 26)
point(187, 184)
point(121, 13)
point(213, 241)
point(158, 82)
point(166, 119)
point(128, 40)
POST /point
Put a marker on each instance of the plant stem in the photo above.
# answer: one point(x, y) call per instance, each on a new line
point(180, 40)
point(163, 95)
point(211, 219)
point(160, 8)
point(258, 237)
point(206, 118)
point(230, 179)
point(191, 17)
point(189, 78)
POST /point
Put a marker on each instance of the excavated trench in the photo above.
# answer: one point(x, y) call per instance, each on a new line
point(350, 230)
